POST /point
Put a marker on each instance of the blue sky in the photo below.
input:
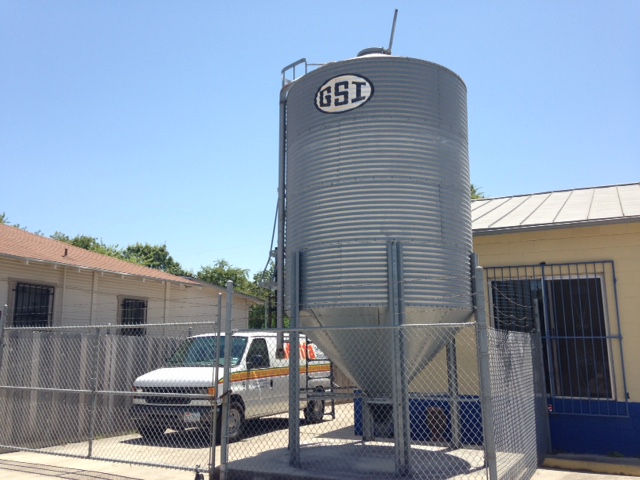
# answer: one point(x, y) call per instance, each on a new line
point(157, 122)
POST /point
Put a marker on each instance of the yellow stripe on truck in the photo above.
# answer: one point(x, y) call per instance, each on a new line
point(274, 372)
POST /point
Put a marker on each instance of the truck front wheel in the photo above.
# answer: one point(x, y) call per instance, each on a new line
point(236, 422)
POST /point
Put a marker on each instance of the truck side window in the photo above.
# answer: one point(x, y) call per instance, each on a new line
point(258, 356)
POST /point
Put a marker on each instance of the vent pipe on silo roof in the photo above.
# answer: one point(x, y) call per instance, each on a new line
point(382, 50)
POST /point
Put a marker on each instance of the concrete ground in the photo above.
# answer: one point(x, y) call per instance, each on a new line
point(32, 466)
point(267, 445)
point(36, 466)
point(39, 466)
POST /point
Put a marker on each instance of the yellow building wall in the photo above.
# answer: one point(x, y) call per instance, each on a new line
point(619, 243)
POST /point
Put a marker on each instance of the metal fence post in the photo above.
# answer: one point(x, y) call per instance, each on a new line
point(214, 401)
point(543, 438)
point(226, 394)
point(454, 392)
point(3, 319)
point(484, 366)
point(94, 390)
point(294, 365)
point(401, 423)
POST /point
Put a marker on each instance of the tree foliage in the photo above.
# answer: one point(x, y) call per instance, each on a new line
point(89, 243)
point(4, 220)
point(476, 193)
point(222, 271)
point(153, 256)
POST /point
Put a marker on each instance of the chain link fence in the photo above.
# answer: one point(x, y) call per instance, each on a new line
point(515, 403)
point(70, 391)
point(353, 434)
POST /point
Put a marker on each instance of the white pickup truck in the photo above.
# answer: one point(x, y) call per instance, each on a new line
point(259, 384)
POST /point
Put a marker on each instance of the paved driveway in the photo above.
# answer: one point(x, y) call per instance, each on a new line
point(33, 466)
point(184, 449)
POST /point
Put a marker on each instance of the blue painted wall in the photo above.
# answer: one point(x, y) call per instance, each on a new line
point(470, 413)
point(612, 432)
point(602, 435)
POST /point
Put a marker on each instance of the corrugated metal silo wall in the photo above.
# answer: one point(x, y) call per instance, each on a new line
point(396, 167)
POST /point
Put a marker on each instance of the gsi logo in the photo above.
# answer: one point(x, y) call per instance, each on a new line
point(343, 93)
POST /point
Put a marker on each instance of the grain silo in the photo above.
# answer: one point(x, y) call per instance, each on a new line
point(375, 186)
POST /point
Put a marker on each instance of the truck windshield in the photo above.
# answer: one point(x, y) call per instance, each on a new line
point(201, 352)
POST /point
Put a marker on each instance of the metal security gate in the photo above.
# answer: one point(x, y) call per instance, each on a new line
point(572, 310)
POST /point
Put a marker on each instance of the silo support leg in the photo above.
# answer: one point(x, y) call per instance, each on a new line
point(401, 430)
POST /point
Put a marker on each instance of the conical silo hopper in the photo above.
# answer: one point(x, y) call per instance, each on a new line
point(377, 154)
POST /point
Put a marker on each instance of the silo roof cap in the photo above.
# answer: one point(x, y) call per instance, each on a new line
point(374, 51)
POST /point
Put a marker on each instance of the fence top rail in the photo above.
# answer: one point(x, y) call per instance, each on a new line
point(254, 330)
point(362, 327)
point(109, 325)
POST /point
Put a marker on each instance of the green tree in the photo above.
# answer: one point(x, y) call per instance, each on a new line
point(260, 285)
point(153, 256)
point(256, 316)
point(222, 271)
point(261, 288)
point(476, 193)
point(88, 243)
point(4, 220)
point(61, 237)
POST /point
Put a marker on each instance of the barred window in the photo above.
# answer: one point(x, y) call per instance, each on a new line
point(133, 311)
point(512, 302)
point(579, 340)
point(33, 305)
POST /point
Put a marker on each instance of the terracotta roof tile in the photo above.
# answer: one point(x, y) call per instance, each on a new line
point(18, 243)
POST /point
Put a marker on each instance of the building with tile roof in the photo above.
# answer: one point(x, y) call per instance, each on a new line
point(48, 283)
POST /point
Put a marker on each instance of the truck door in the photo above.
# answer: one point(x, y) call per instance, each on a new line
point(259, 384)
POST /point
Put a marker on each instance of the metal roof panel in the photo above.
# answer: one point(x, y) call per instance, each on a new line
point(577, 206)
point(549, 209)
point(606, 204)
point(484, 207)
point(553, 209)
point(497, 214)
point(522, 213)
point(630, 199)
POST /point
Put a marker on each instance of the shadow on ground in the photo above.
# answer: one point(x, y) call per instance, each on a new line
point(200, 438)
point(353, 461)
